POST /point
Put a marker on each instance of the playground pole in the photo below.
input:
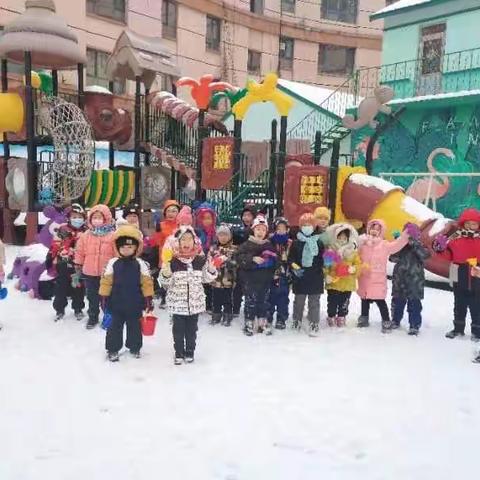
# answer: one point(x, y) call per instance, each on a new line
point(55, 83)
point(317, 151)
point(333, 177)
point(282, 150)
point(273, 166)
point(200, 193)
point(146, 133)
point(138, 93)
point(111, 151)
point(81, 86)
point(237, 153)
point(6, 145)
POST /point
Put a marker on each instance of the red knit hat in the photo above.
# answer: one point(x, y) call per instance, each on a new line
point(185, 217)
point(469, 215)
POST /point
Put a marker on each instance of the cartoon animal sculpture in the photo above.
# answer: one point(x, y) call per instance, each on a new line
point(369, 108)
point(202, 90)
point(266, 91)
point(429, 189)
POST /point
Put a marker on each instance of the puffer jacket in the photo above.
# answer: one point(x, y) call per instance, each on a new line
point(227, 272)
point(348, 257)
point(185, 292)
point(93, 251)
point(374, 254)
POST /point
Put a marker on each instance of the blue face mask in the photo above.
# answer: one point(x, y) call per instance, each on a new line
point(77, 222)
point(307, 230)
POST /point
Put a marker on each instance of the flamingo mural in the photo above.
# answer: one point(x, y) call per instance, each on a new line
point(429, 188)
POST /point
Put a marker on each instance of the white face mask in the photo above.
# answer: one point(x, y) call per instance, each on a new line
point(307, 230)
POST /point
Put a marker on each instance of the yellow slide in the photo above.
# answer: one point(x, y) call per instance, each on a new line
point(11, 112)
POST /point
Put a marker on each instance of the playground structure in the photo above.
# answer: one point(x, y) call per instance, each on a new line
point(180, 151)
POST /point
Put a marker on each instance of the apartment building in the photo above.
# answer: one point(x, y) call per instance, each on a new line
point(315, 41)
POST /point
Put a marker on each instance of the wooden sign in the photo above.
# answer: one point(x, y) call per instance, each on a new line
point(217, 162)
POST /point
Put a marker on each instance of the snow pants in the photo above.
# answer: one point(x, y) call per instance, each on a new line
point(278, 300)
point(184, 331)
point(465, 300)
point(222, 300)
point(92, 285)
point(63, 290)
point(382, 306)
point(338, 303)
point(313, 308)
point(414, 309)
point(114, 338)
point(256, 304)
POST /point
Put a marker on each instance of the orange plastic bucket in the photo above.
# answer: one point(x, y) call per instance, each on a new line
point(148, 325)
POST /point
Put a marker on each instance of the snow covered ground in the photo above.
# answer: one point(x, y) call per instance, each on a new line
point(350, 404)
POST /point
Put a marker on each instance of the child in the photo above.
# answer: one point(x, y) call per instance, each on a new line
point(408, 281)
point(126, 289)
point(306, 263)
point(131, 215)
point(61, 256)
point(372, 283)
point(322, 219)
point(280, 288)
point(463, 251)
point(256, 260)
point(342, 267)
point(222, 288)
point(93, 251)
point(183, 277)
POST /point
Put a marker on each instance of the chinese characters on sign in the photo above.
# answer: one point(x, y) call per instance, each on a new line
point(222, 157)
point(312, 189)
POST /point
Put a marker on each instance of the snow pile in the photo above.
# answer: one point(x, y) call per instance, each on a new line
point(375, 182)
point(419, 210)
point(400, 5)
point(37, 252)
point(437, 96)
point(20, 220)
point(438, 226)
point(97, 89)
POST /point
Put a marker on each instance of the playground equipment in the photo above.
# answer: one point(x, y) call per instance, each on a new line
point(12, 113)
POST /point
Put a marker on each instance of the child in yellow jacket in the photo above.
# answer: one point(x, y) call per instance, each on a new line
point(342, 266)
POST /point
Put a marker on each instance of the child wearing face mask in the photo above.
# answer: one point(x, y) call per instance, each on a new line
point(94, 249)
point(61, 258)
point(342, 267)
point(305, 260)
point(372, 283)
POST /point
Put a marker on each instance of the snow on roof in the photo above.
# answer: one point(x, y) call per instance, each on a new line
point(376, 182)
point(438, 96)
point(438, 226)
point(97, 89)
point(400, 5)
point(419, 210)
point(313, 93)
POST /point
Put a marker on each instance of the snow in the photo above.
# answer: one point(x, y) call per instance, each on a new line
point(349, 405)
point(37, 252)
point(400, 5)
point(438, 226)
point(419, 210)
point(375, 182)
point(438, 96)
point(20, 220)
point(97, 89)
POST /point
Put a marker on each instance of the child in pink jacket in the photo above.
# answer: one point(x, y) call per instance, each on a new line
point(93, 251)
point(372, 283)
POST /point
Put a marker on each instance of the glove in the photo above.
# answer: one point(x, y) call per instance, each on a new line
point(76, 280)
point(78, 269)
point(396, 234)
point(166, 270)
point(352, 269)
point(328, 279)
point(298, 272)
point(149, 304)
point(439, 244)
point(413, 231)
point(103, 303)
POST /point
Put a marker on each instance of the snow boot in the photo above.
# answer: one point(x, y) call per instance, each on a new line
point(395, 325)
point(227, 319)
point(363, 322)
point(59, 316)
point(189, 357)
point(475, 338)
point(454, 334)
point(313, 329)
point(280, 324)
point(261, 325)
point(79, 315)
point(340, 321)
point(135, 353)
point(216, 318)
point(248, 328)
point(331, 321)
point(386, 326)
point(268, 329)
point(477, 358)
point(177, 360)
point(414, 331)
point(297, 325)
point(92, 323)
point(113, 356)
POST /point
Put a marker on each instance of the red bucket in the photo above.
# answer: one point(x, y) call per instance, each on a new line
point(148, 325)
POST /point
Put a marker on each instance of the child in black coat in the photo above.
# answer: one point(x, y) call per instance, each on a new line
point(257, 261)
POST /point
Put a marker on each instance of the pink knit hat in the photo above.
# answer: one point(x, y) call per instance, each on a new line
point(185, 217)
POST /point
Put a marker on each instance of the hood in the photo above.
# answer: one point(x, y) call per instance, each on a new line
point(104, 210)
point(334, 230)
point(380, 222)
point(202, 210)
point(469, 215)
point(185, 216)
point(129, 231)
point(171, 203)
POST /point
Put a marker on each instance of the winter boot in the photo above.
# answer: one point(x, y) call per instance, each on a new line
point(268, 329)
point(177, 360)
point(79, 315)
point(454, 333)
point(363, 322)
point(386, 326)
point(92, 323)
point(297, 325)
point(261, 325)
point(280, 324)
point(113, 356)
point(189, 357)
point(135, 353)
point(395, 325)
point(227, 319)
point(313, 329)
point(414, 331)
point(477, 358)
point(340, 321)
point(59, 316)
point(248, 328)
point(216, 318)
point(475, 338)
point(331, 321)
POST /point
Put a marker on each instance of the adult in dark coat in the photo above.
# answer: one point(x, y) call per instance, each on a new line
point(408, 281)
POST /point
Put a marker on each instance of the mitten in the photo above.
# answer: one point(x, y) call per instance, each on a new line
point(76, 280)
point(413, 231)
point(396, 234)
point(439, 244)
point(298, 272)
point(352, 269)
point(149, 304)
point(166, 270)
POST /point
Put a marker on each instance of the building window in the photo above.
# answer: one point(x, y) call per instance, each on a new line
point(340, 10)
point(212, 39)
point(169, 19)
point(96, 71)
point(107, 8)
point(288, 6)
point(256, 6)
point(254, 64)
point(334, 60)
point(286, 53)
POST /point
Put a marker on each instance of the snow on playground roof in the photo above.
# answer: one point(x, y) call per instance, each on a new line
point(312, 93)
point(376, 182)
point(437, 96)
point(400, 5)
point(419, 210)
point(97, 89)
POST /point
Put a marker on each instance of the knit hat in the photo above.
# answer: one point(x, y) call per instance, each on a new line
point(469, 215)
point(259, 220)
point(128, 235)
point(132, 209)
point(223, 228)
point(185, 217)
point(249, 208)
point(322, 212)
point(170, 203)
point(280, 221)
point(306, 219)
point(76, 208)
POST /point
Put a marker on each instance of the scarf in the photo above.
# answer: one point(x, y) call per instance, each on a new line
point(463, 233)
point(103, 230)
point(310, 250)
